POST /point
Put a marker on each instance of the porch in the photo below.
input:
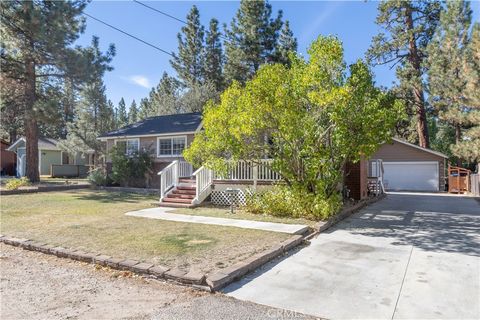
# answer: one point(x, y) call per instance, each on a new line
point(181, 186)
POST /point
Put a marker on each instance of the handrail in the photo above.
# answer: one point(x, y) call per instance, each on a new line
point(168, 178)
point(203, 181)
point(167, 167)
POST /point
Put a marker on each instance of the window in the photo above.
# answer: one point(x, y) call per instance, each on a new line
point(130, 146)
point(171, 147)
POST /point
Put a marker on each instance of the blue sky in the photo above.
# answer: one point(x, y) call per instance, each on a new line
point(139, 67)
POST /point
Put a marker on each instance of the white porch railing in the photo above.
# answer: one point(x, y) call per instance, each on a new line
point(203, 180)
point(168, 178)
point(375, 175)
point(185, 169)
point(249, 170)
point(170, 175)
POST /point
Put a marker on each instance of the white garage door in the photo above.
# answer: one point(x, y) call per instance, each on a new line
point(416, 176)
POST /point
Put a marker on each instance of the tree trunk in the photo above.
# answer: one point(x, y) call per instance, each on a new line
point(31, 125)
point(458, 139)
point(419, 98)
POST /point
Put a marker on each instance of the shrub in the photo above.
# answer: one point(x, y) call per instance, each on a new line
point(130, 170)
point(284, 201)
point(97, 177)
point(14, 184)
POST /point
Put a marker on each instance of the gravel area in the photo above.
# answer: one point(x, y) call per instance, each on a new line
point(38, 286)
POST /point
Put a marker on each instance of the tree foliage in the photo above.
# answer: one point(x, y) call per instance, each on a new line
point(409, 27)
point(37, 49)
point(448, 55)
point(315, 115)
point(121, 116)
point(189, 62)
point(251, 39)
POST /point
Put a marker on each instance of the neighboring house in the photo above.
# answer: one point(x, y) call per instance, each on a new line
point(412, 168)
point(8, 159)
point(51, 157)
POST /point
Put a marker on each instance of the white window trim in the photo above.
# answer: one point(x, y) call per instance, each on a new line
point(126, 142)
point(171, 139)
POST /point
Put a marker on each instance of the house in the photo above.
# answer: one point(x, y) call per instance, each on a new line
point(52, 161)
point(409, 167)
point(8, 159)
point(164, 137)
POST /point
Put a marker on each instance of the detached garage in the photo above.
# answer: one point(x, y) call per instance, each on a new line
point(410, 167)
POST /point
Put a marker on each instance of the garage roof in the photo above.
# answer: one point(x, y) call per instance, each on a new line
point(421, 148)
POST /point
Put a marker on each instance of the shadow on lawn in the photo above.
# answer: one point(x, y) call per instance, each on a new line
point(115, 197)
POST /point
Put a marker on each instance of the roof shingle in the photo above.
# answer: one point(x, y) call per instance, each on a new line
point(175, 123)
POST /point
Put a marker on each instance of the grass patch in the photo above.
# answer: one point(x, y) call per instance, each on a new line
point(95, 220)
point(224, 212)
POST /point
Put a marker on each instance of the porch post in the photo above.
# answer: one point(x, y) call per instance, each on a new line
point(255, 177)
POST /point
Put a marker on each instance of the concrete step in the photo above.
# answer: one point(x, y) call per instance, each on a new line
point(177, 200)
point(187, 180)
point(190, 192)
point(186, 187)
point(181, 196)
point(174, 205)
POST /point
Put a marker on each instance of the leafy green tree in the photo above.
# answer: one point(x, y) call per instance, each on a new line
point(121, 114)
point(37, 48)
point(409, 27)
point(190, 59)
point(251, 40)
point(133, 113)
point(213, 68)
point(315, 117)
point(286, 43)
point(447, 58)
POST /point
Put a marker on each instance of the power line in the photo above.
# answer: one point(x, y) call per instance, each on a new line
point(130, 35)
point(159, 11)
point(169, 15)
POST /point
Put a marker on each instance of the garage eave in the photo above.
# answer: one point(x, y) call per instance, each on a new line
point(421, 148)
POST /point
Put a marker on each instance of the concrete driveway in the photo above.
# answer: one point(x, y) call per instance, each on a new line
point(408, 256)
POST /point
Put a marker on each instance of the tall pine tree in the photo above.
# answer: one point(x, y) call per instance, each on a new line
point(164, 98)
point(188, 63)
point(133, 112)
point(213, 68)
point(286, 43)
point(37, 47)
point(447, 58)
point(92, 113)
point(409, 27)
point(121, 114)
point(469, 147)
point(252, 40)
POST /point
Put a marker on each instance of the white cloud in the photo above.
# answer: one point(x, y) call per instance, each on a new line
point(140, 80)
point(312, 31)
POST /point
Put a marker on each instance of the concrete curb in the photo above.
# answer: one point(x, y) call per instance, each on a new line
point(222, 278)
point(44, 189)
point(193, 278)
point(324, 225)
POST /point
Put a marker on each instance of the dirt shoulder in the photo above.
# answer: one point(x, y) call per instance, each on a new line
point(38, 286)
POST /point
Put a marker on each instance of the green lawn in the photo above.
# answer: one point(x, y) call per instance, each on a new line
point(224, 212)
point(94, 221)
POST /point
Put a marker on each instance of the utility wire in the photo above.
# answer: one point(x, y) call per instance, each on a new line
point(169, 15)
point(130, 35)
point(161, 12)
